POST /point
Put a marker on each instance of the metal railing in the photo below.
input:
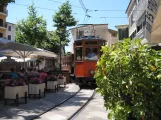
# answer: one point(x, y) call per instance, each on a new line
point(4, 11)
point(3, 25)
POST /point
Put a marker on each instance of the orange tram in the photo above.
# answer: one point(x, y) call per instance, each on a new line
point(86, 54)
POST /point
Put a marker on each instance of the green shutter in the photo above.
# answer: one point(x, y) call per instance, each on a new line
point(120, 34)
point(127, 32)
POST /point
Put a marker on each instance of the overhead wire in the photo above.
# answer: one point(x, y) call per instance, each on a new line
point(92, 10)
point(72, 13)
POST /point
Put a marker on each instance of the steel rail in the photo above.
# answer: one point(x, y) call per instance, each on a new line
point(72, 117)
point(57, 105)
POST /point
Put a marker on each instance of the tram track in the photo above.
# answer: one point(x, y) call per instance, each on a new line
point(57, 105)
point(72, 117)
point(77, 102)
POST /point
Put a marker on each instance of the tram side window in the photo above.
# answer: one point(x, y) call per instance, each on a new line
point(91, 54)
point(78, 53)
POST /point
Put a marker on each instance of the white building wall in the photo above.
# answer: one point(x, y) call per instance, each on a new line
point(112, 39)
point(100, 31)
point(12, 32)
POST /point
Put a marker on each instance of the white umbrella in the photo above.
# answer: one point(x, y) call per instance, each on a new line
point(21, 60)
point(4, 41)
point(17, 49)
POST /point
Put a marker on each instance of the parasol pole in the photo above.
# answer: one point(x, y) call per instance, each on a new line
point(24, 59)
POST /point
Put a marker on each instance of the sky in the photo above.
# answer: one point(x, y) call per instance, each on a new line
point(113, 10)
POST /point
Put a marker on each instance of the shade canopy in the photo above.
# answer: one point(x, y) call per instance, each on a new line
point(4, 41)
point(17, 49)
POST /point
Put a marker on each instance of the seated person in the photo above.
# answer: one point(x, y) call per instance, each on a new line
point(13, 73)
point(22, 73)
point(91, 54)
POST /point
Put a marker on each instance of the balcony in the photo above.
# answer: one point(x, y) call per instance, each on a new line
point(140, 9)
point(140, 34)
point(3, 12)
point(3, 26)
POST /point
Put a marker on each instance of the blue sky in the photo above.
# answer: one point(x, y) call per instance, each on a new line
point(18, 11)
point(114, 9)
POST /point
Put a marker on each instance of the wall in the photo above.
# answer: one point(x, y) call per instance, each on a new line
point(4, 32)
point(12, 32)
point(97, 30)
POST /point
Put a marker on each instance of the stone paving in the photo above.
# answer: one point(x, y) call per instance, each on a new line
point(94, 110)
point(67, 109)
point(35, 107)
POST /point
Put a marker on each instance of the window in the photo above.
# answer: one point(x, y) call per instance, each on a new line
point(91, 54)
point(9, 37)
point(9, 28)
point(1, 8)
point(1, 35)
point(79, 53)
point(1, 22)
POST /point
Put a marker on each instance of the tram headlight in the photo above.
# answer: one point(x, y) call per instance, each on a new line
point(91, 72)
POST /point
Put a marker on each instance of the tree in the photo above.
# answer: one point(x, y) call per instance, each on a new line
point(63, 19)
point(6, 1)
point(128, 77)
point(53, 42)
point(33, 30)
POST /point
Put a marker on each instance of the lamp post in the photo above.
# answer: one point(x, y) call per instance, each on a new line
point(60, 55)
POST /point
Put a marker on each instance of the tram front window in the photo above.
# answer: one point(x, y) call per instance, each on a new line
point(78, 53)
point(91, 54)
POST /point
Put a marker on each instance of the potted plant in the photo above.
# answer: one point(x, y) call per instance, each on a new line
point(61, 80)
point(36, 87)
point(15, 89)
point(52, 82)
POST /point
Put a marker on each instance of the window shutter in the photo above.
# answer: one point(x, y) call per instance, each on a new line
point(127, 32)
point(120, 34)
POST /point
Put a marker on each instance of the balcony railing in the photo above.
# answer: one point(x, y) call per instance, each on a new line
point(4, 11)
point(140, 9)
point(3, 25)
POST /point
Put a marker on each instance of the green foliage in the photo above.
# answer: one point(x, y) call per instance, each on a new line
point(32, 31)
point(53, 42)
point(128, 77)
point(63, 19)
point(6, 1)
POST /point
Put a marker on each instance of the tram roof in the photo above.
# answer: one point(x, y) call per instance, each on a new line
point(85, 25)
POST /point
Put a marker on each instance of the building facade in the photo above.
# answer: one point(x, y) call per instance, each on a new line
point(3, 15)
point(112, 37)
point(141, 15)
point(87, 31)
point(123, 32)
point(93, 30)
point(10, 31)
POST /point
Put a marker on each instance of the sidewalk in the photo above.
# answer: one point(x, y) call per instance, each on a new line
point(36, 107)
